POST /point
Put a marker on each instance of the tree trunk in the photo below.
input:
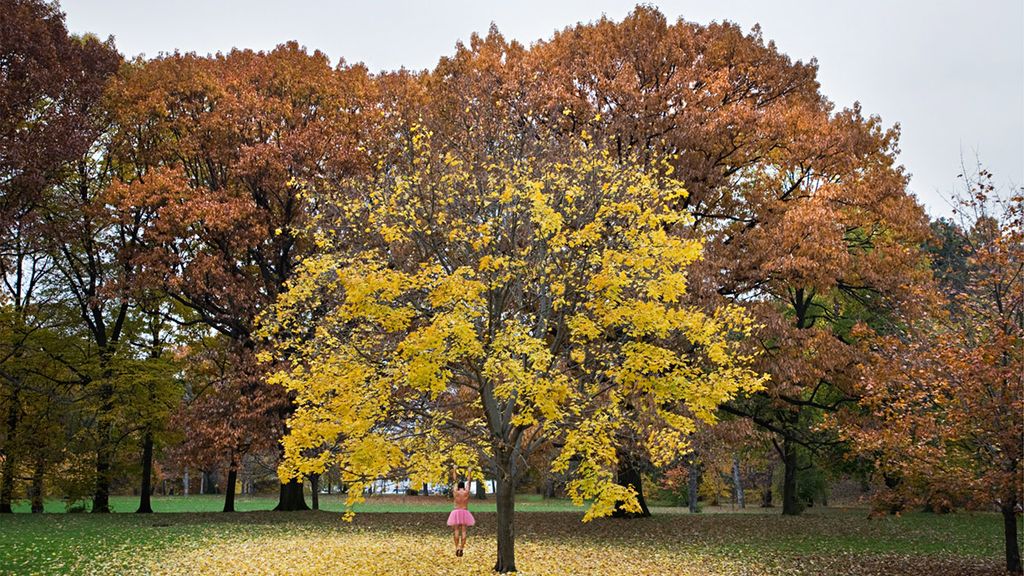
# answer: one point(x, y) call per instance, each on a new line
point(314, 489)
point(229, 490)
point(7, 485)
point(766, 492)
point(549, 487)
point(101, 497)
point(104, 450)
point(185, 481)
point(737, 483)
point(37, 485)
point(694, 485)
point(210, 478)
point(291, 498)
point(145, 506)
point(481, 491)
point(506, 499)
point(790, 502)
point(1009, 509)
point(629, 475)
point(7, 473)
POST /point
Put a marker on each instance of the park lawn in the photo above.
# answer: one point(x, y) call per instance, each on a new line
point(332, 503)
point(823, 541)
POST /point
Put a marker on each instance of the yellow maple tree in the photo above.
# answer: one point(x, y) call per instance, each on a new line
point(465, 313)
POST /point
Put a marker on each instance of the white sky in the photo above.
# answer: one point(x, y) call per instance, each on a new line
point(950, 72)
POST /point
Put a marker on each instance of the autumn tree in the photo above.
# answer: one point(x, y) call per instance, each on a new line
point(807, 219)
point(153, 387)
point(944, 408)
point(218, 145)
point(50, 84)
point(540, 291)
point(228, 411)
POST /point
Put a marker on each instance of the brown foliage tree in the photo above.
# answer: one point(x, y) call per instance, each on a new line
point(806, 211)
point(945, 407)
point(219, 146)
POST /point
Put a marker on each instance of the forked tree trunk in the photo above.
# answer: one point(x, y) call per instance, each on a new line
point(291, 498)
point(1009, 510)
point(629, 475)
point(506, 500)
point(145, 506)
point(790, 503)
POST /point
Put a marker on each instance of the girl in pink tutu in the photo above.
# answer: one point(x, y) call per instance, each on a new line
point(460, 516)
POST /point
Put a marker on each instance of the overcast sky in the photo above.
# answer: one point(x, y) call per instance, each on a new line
point(951, 73)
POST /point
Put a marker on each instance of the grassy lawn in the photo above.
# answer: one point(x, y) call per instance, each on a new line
point(333, 503)
point(414, 540)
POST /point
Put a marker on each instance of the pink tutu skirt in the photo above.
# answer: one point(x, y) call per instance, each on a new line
point(460, 517)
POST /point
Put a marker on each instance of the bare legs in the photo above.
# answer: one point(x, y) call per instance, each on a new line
point(459, 535)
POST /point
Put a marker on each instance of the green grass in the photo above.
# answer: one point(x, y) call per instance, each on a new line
point(821, 541)
point(332, 503)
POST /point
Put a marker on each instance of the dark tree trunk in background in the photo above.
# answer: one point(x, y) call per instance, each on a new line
point(7, 485)
point(314, 489)
point(549, 487)
point(1009, 510)
point(629, 475)
point(104, 430)
point(229, 490)
point(101, 497)
point(737, 483)
point(291, 498)
point(506, 500)
point(104, 452)
point(209, 486)
point(36, 493)
point(481, 491)
point(694, 485)
point(145, 507)
point(426, 489)
point(896, 502)
point(766, 492)
point(790, 502)
point(7, 472)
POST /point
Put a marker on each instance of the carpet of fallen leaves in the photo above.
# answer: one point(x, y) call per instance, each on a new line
point(547, 544)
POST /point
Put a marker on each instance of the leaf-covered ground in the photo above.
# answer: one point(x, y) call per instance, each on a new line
point(820, 542)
